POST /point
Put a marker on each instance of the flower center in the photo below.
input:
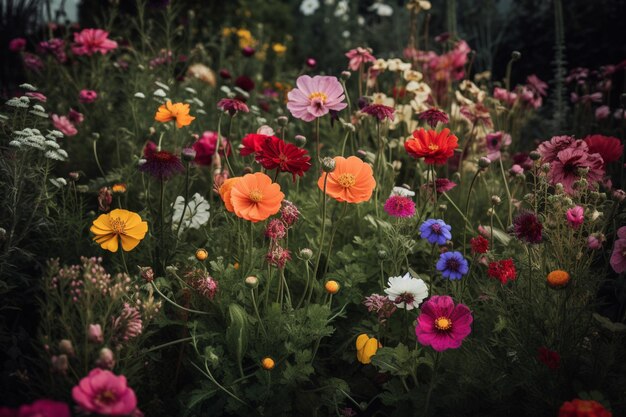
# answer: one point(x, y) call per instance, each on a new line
point(255, 195)
point(346, 180)
point(319, 96)
point(106, 397)
point(117, 225)
point(453, 264)
point(436, 228)
point(433, 147)
point(443, 323)
point(406, 298)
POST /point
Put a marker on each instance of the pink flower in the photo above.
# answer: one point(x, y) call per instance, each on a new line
point(44, 408)
point(359, 56)
point(443, 325)
point(94, 333)
point(443, 185)
point(516, 170)
point(17, 44)
point(595, 241)
point(276, 229)
point(400, 206)
point(504, 95)
point(87, 96)
point(64, 125)
point(76, 117)
point(495, 141)
point(536, 85)
point(90, 41)
point(232, 106)
point(206, 146)
point(55, 47)
point(618, 257)
point(315, 97)
point(603, 112)
point(105, 393)
point(37, 96)
point(575, 216)
point(32, 62)
point(565, 168)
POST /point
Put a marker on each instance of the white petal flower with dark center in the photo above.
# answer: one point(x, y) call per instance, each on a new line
point(406, 292)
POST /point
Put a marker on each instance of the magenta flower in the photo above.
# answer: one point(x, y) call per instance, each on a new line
point(443, 185)
point(379, 111)
point(232, 106)
point(315, 97)
point(504, 95)
point(32, 62)
point(400, 206)
point(64, 125)
point(550, 148)
point(55, 47)
point(91, 41)
point(618, 257)
point(17, 45)
point(495, 141)
point(575, 216)
point(76, 117)
point(87, 96)
point(103, 392)
point(433, 116)
point(565, 169)
point(359, 56)
point(442, 325)
point(536, 85)
point(206, 147)
point(44, 408)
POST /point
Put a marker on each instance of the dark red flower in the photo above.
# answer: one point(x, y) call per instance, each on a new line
point(527, 227)
point(479, 244)
point(245, 83)
point(160, 164)
point(277, 154)
point(379, 111)
point(443, 185)
point(433, 116)
point(232, 106)
point(503, 270)
point(549, 357)
point(251, 143)
point(225, 74)
point(609, 148)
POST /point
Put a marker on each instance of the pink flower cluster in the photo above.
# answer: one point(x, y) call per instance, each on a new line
point(276, 230)
point(92, 41)
point(618, 257)
point(448, 66)
point(531, 94)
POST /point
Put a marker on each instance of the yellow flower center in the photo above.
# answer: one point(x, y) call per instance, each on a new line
point(106, 397)
point(117, 225)
point(256, 196)
point(318, 95)
point(346, 180)
point(443, 323)
point(433, 147)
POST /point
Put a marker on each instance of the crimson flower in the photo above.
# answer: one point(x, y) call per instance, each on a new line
point(548, 357)
point(379, 111)
point(504, 270)
point(609, 148)
point(275, 153)
point(251, 143)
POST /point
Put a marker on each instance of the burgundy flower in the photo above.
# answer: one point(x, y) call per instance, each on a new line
point(160, 164)
point(527, 227)
point(433, 116)
point(479, 244)
point(206, 146)
point(609, 148)
point(232, 106)
point(549, 357)
point(443, 185)
point(276, 229)
point(289, 213)
point(245, 83)
point(17, 44)
point(274, 153)
point(379, 111)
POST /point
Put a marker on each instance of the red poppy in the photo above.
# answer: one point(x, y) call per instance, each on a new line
point(274, 153)
point(609, 148)
point(252, 143)
point(435, 147)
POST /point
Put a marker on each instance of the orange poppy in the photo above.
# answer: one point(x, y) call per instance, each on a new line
point(124, 224)
point(352, 180)
point(225, 190)
point(177, 111)
point(435, 147)
point(254, 197)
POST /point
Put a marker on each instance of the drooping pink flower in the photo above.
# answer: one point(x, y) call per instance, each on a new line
point(232, 106)
point(358, 57)
point(64, 125)
point(575, 216)
point(87, 96)
point(566, 168)
point(504, 95)
point(75, 116)
point(379, 111)
point(618, 257)
point(433, 116)
point(495, 141)
point(103, 392)
point(44, 408)
point(443, 185)
point(91, 41)
point(36, 95)
point(17, 44)
point(127, 325)
point(315, 97)
point(443, 325)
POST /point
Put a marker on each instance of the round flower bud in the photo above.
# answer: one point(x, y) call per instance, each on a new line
point(106, 359)
point(252, 281)
point(558, 278)
point(515, 55)
point(534, 155)
point(65, 346)
point(247, 170)
point(188, 154)
point(328, 164)
point(332, 287)
point(345, 75)
point(300, 141)
point(545, 167)
point(74, 176)
point(225, 74)
point(268, 363)
point(495, 200)
point(282, 120)
point(202, 254)
point(490, 212)
point(60, 363)
point(311, 63)
point(484, 162)
point(306, 254)
point(443, 207)
point(248, 51)
point(382, 254)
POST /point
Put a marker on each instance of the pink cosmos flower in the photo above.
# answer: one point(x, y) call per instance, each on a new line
point(565, 169)
point(443, 325)
point(17, 44)
point(595, 241)
point(87, 96)
point(495, 141)
point(103, 392)
point(315, 97)
point(359, 56)
point(618, 257)
point(91, 41)
point(36, 95)
point(44, 408)
point(575, 216)
point(64, 125)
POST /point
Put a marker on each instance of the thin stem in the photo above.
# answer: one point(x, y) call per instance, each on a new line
point(321, 245)
point(172, 302)
point(467, 201)
point(256, 311)
point(508, 192)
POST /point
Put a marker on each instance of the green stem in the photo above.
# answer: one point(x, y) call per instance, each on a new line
point(172, 302)
point(321, 245)
point(508, 192)
point(467, 201)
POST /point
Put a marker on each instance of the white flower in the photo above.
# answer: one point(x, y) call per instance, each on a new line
point(27, 86)
point(403, 192)
point(406, 292)
point(191, 90)
point(308, 7)
point(58, 182)
point(16, 102)
point(163, 86)
point(382, 9)
point(342, 8)
point(160, 93)
point(196, 213)
point(140, 95)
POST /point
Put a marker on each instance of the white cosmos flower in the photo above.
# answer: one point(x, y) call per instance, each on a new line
point(406, 292)
point(403, 192)
point(308, 7)
point(196, 213)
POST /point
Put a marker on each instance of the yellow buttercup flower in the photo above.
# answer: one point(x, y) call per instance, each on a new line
point(118, 225)
point(366, 347)
point(279, 48)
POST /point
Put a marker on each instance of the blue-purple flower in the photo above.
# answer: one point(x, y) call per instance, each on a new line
point(452, 265)
point(435, 231)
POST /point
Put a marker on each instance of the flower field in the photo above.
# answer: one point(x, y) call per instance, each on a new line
point(197, 222)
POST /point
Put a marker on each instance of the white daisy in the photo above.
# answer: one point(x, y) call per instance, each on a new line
point(406, 292)
point(308, 7)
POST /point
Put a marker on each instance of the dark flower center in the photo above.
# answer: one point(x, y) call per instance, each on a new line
point(406, 298)
point(453, 264)
point(436, 228)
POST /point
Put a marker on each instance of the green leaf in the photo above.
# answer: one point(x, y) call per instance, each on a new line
point(237, 333)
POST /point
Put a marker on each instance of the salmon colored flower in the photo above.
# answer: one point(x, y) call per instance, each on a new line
point(124, 224)
point(177, 111)
point(254, 197)
point(434, 147)
point(352, 180)
point(366, 347)
point(225, 190)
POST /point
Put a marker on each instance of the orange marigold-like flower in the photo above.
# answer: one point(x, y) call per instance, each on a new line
point(352, 180)
point(177, 111)
point(124, 224)
point(435, 147)
point(225, 190)
point(254, 197)
point(558, 278)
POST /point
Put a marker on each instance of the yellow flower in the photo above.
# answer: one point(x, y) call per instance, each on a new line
point(268, 363)
point(228, 31)
point(366, 347)
point(202, 254)
point(279, 48)
point(124, 224)
point(176, 111)
point(119, 188)
point(332, 287)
